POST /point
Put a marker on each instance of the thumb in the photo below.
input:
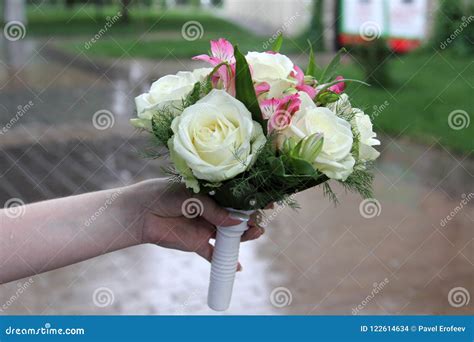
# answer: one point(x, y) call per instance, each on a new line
point(219, 216)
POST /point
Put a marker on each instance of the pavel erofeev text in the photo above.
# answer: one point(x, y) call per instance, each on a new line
point(441, 328)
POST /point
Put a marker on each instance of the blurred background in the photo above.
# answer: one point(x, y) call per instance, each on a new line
point(69, 72)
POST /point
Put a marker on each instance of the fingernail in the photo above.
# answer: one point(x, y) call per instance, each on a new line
point(238, 216)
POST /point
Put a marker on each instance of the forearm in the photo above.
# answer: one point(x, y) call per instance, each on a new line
point(60, 232)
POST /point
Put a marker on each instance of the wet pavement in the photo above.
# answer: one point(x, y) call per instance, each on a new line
point(318, 260)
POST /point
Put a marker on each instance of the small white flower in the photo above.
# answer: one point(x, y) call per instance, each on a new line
point(169, 91)
point(275, 69)
point(215, 138)
point(341, 106)
point(363, 125)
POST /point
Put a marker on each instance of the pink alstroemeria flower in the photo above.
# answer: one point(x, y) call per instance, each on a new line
point(222, 51)
point(338, 87)
point(298, 75)
point(279, 112)
point(261, 88)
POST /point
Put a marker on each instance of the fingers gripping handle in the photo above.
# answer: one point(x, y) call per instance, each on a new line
point(224, 265)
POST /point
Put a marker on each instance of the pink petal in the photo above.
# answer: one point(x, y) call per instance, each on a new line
point(290, 104)
point(223, 50)
point(338, 87)
point(261, 88)
point(298, 74)
point(279, 120)
point(205, 58)
point(307, 89)
point(224, 78)
point(269, 107)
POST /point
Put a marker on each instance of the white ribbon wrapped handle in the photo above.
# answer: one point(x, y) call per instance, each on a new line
point(224, 264)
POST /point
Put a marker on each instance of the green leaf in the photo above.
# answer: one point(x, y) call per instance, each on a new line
point(326, 96)
point(278, 43)
point(244, 89)
point(217, 68)
point(161, 124)
point(311, 146)
point(192, 97)
point(308, 148)
point(312, 69)
point(330, 71)
point(196, 90)
point(289, 144)
point(277, 166)
point(302, 167)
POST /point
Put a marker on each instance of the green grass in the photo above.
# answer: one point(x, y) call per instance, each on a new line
point(162, 48)
point(149, 34)
point(88, 20)
point(427, 88)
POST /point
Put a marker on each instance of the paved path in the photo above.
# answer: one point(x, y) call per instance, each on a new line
point(326, 260)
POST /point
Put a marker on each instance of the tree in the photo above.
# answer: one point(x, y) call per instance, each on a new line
point(373, 57)
point(454, 29)
point(125, 10)
point(316, 27)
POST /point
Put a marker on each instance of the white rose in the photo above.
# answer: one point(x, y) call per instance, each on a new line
point(274, 69)
point(216, 137)
point(335, 159)
point(363, 125)
point(168, 91)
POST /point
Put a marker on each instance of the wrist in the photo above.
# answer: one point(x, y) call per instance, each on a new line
point(140, 198)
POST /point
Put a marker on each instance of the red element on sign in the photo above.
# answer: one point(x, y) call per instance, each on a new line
point(399, 45)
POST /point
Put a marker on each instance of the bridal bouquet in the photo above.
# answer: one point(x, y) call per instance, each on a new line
point(254, 129)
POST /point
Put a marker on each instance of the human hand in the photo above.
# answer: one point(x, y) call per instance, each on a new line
point(166, 223)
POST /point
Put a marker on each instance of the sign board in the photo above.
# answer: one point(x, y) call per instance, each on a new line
point(401, 22)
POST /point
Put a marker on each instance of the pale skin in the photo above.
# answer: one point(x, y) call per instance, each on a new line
point(47, 235)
